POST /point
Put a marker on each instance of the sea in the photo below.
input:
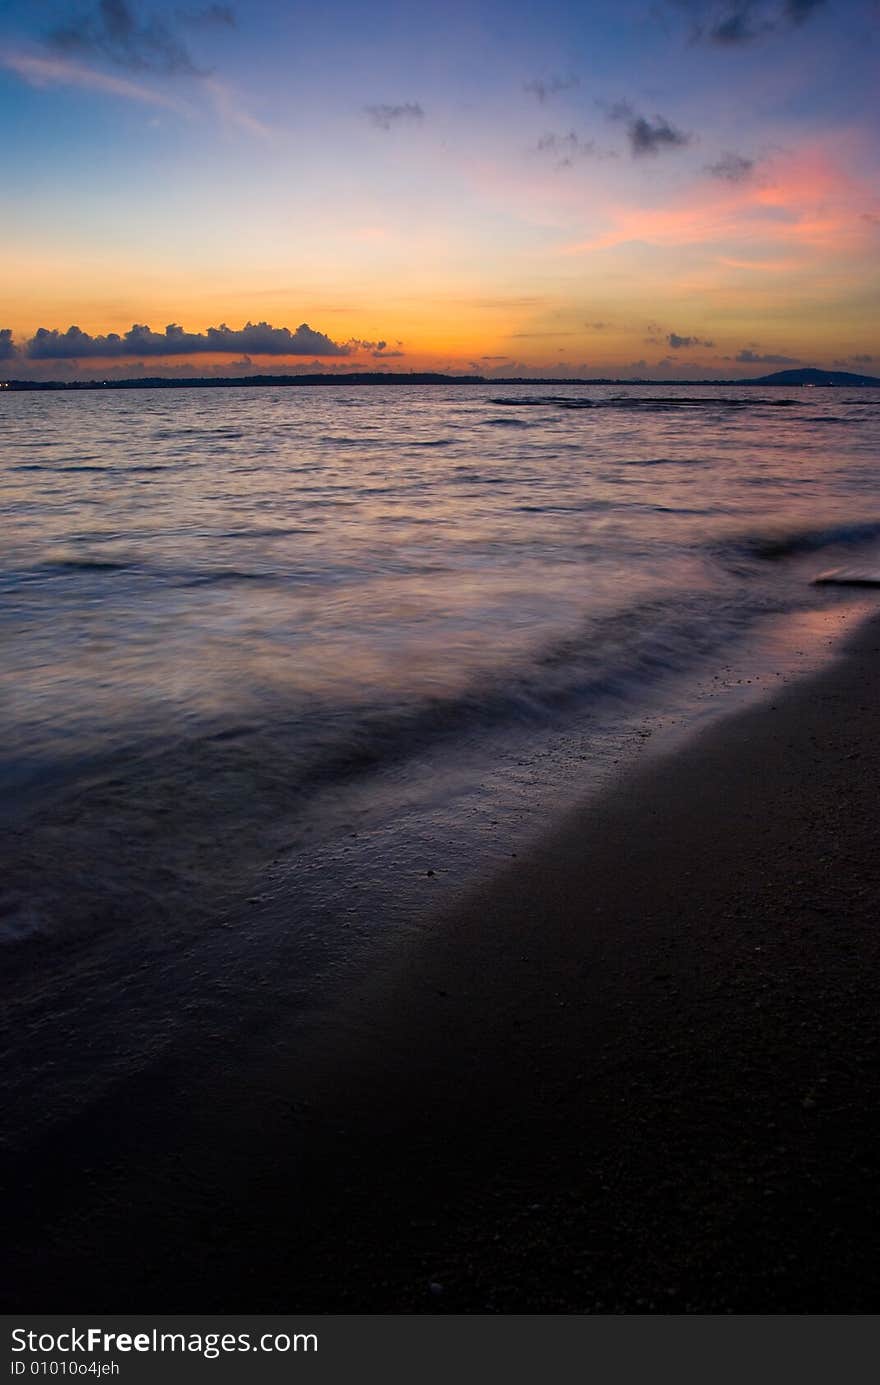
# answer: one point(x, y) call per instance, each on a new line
point(286, 670)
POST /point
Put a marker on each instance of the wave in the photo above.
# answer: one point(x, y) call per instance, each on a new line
point(305, 746)
point(642, 403)
point(268, 532)
point(87, 564)
point(220, 576)
point(667, 461)
point(848, 577)
point(617, 657)
point(111, 470)
point(543, 401)
point(788, 545)
point(506, 423)
point(56, 467)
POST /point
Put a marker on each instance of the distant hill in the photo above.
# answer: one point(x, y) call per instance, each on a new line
point(378, 377)
point(815, 377)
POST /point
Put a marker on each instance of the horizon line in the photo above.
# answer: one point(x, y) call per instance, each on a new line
point(416, 377)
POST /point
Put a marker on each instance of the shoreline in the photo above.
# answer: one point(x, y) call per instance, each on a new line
point(127, 973)
point(826, 379)
point(635, 1072)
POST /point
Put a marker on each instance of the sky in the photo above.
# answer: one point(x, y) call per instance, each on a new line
point(655, 188)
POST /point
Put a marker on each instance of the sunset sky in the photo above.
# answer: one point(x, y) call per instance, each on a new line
point(679, 188)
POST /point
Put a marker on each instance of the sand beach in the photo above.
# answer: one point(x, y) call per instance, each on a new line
point(637, 1072)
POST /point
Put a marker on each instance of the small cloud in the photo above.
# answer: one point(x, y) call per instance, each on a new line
point(494, 358)
point(544, 87)
point(565, 149)
point(42, 72)
point(379, 349)
point(255, 338)
point(872, 218)
point(115, 31)
point(733, 23)
point(861, 358)
point(647, 137)
point(682, 343)
point(747, 357)
point(739, 25)
point(7, 345)
point(383, 117)
point(382, 352)
point(732, 168)
point(598, 326)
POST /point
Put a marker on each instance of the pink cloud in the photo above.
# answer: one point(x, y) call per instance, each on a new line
point(806, 200)
point(41, 72)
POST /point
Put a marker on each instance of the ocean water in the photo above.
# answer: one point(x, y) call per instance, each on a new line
point(290, 650)
point(352, 571)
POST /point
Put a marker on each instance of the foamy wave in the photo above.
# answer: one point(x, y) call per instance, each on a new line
point(789, 544)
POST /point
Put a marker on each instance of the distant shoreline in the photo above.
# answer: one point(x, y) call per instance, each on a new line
point(837, 379)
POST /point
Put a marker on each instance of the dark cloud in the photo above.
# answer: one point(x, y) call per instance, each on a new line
point(732, 168)
point(682, 343)
point(861, 358)
point(542, 87)
point(379, 349)
point(255, 338)
point(598, 326)
point(748, 357)
point(734, 22)
point(383, 117)
point(114, 30)
point(739, 25)
point(799, 11)
point(647, 137)
point(7, 345)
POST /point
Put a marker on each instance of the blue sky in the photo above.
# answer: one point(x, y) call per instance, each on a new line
point(469, 184)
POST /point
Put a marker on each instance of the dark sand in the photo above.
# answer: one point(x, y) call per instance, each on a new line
point(637, 1073)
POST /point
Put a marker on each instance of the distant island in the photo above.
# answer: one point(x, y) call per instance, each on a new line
point(836, 378)
point(813, 377)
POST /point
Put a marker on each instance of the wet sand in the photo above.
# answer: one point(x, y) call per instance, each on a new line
point(639, 1072)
